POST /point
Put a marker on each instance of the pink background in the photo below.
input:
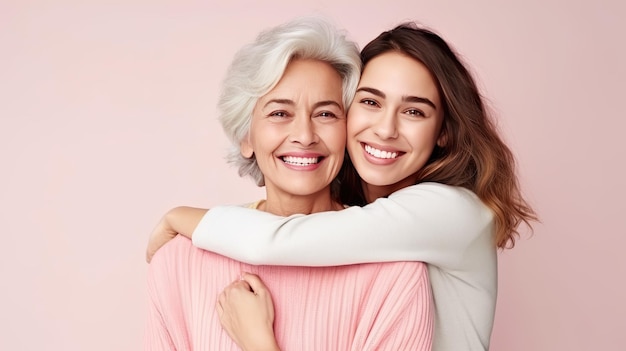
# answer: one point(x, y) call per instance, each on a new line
point(107, 119)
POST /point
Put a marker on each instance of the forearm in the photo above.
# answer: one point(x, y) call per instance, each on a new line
point(430, 223)
point(179, 220)
point(183, 220)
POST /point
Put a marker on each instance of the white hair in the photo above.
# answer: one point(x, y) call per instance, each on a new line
point(258, 66)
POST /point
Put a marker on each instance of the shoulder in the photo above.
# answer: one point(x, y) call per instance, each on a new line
point(450, 202)
point(173, 258)
point(175, 249)
point(179, 267)
point(442, 192)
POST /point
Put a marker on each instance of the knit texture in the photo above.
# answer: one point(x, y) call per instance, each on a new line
point(380, 306)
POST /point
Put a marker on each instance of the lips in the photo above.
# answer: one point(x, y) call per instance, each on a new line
point(382, 154)
point(301, 161)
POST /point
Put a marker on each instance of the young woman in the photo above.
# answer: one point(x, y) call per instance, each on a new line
point(439, 179)
point(288, 131)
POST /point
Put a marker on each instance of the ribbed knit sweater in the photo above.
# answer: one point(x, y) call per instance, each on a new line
point(379, 306)
point(447, 227)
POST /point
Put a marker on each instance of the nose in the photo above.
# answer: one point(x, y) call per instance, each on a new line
point(386, 126)
point(303, 131)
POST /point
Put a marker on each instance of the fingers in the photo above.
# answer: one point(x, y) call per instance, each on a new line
point(239, 284)
point(153, 246)
point(245, 316)
point(161, 234)
point(246, 284)
point(254, 282)
point(151, 250)
point(235, 289)
point(154, 242)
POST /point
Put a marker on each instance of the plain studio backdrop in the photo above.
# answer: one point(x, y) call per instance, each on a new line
point(107, 119)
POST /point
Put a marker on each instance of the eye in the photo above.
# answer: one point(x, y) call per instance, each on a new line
point(414, 112)
point(370, 102)
point(327, 114)
point(278, 114)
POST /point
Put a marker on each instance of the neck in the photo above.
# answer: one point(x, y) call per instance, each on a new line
point(289, 204)
point(373, 192)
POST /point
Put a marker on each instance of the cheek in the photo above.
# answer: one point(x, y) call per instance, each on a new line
point(360, 119)
point(336, 138)
point(353, 128)
point(354, 124)
point(263, 140)
point(426, 138)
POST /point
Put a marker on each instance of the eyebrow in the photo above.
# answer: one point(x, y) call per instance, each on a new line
point(292, 103)
point(405, 98)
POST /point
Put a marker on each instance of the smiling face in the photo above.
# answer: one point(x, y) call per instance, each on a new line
point(298, 136)
point(394, 123)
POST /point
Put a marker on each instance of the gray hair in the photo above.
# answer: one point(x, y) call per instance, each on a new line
point(258, 66)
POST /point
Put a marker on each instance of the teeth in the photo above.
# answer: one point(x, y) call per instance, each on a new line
point(380, 153)
point(300, 161)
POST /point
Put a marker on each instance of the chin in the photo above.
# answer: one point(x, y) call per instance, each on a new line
point(378, 181)
point(306, 190)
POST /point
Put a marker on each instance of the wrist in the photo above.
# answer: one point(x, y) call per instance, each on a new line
point(270, 347)
point(265, 342)
point(170, 220)
point(183, 220)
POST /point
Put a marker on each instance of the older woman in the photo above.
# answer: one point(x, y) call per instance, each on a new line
point(440, 180)
point(283, 109)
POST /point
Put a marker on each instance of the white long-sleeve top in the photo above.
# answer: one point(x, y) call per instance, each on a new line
point(447, 227)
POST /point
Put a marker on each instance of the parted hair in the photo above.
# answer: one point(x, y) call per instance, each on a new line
point(474, 155)
point(258, 66)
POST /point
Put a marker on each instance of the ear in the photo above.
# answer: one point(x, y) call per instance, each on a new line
point(246, 147)
point(442, 140)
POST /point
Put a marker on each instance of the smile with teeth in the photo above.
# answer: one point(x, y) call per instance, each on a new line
point(300, 161)
point(380, 153)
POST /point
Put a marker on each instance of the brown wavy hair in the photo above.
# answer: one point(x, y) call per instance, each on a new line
point(474, 155)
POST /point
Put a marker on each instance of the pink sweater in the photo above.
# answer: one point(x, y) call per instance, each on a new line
point(379, 306)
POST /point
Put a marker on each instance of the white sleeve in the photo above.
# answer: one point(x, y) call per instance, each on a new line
point(427, 222)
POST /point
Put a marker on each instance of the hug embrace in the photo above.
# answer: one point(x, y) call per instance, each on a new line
point(388, 193)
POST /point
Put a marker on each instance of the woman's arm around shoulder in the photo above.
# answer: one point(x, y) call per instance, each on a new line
point(179, 220)
point(428, 222)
